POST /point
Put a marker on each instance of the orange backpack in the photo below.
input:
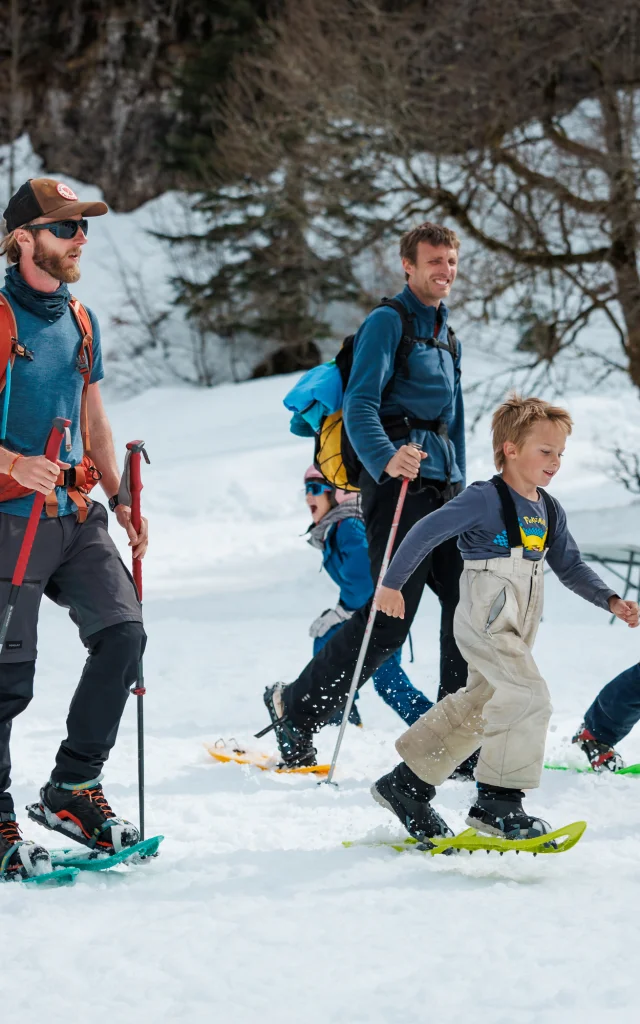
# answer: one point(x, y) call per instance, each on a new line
point(81, 478)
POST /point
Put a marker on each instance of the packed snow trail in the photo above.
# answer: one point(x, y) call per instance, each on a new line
point(254, 911)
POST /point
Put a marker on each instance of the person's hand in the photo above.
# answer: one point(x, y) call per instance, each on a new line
point(391, 602)
point(37, 473)
point(625, 610)
point(138, 542)
point(406, 462)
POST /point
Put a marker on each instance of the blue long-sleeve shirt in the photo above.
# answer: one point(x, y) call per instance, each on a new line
point(476, 518)
point(346, 559)
point(432, 391)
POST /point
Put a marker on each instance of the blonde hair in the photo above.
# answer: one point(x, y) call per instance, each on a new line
point(9, 247)
point(514, 419)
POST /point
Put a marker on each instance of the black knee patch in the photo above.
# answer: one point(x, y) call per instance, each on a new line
point(16, 688)
point(124, 640)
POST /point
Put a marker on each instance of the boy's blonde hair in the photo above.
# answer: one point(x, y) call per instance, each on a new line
point(513, 420)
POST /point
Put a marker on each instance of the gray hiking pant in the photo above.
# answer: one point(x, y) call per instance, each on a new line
point(505, 705)
point(78, 567)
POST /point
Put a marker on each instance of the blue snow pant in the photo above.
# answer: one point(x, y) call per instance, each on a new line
point(616, 709)
point(390, 682)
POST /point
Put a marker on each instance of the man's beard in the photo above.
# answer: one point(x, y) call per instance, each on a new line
point(54, 265)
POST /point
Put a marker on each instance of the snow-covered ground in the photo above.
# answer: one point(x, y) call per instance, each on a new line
point(255, 912)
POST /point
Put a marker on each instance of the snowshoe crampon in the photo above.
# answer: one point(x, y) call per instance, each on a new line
point(229, 751)
point(52, 879)
point(558, 841)
point(98, 860)
point(630, 769)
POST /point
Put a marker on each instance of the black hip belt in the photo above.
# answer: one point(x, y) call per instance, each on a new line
point(398, 427)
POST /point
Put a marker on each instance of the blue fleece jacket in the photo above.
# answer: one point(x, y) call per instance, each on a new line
point(432, 391)
point(346, 559)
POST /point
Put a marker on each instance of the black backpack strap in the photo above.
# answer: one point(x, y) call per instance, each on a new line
point(407, 338)
point(452, 343)
point(514, 537)
point(450, 346)
point(552, 516)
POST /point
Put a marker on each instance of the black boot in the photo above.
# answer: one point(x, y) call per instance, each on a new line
point(499, 812)
point(601, 756)
point(354, 717)
point(466, 770)
point(18, 857)
point(409, 798)
point(294, 743)
point(81, 812)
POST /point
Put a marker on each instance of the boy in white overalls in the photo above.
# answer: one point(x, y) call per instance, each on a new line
point(505, 527)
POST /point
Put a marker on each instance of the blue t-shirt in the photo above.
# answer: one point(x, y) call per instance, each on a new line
point(50, 385)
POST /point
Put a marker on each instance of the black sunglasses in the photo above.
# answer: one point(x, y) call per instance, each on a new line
point(62, 228)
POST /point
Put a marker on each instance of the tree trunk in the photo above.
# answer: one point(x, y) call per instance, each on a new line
point(624, 234)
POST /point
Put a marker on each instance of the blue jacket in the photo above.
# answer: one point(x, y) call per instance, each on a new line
point(432, 391)
point(346, 559)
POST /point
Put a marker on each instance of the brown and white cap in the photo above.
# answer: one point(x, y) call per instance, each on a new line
point(46, 197)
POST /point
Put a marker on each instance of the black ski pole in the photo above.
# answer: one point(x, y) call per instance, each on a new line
point(135, 450)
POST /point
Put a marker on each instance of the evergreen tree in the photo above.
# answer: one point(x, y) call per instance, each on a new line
point(275, 247)
point(276, 268)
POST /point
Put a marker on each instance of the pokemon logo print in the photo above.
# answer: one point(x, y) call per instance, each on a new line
point(533, 530)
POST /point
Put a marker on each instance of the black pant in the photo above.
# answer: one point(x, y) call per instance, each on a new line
point(324, 684)
point(77, 566)
point(95, 710)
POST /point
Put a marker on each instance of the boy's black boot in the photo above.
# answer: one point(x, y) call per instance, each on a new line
point(294, 743)
point(20, 858)
point(499, 812)
point(408, 797)
point(466, 770)
point(601, 756)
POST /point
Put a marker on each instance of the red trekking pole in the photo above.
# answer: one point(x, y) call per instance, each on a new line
point(59, 430)
point(135, 451)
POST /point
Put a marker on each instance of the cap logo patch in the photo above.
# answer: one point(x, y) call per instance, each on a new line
point(66, 192)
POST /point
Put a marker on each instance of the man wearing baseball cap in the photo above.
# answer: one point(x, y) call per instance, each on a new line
point(73, 560)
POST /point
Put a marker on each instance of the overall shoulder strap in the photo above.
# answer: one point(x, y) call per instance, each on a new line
point(84, 364)
point(509, 512)
point(552, 515)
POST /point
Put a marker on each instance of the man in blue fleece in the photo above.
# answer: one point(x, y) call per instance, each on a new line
point(383, 411)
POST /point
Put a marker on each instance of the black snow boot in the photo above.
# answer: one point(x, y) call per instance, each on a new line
point(409, 798)
point(20, 858)
point(466, 770)
point(81, 812)
point(294, 743)
point(499, 812)
point(601, 756)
